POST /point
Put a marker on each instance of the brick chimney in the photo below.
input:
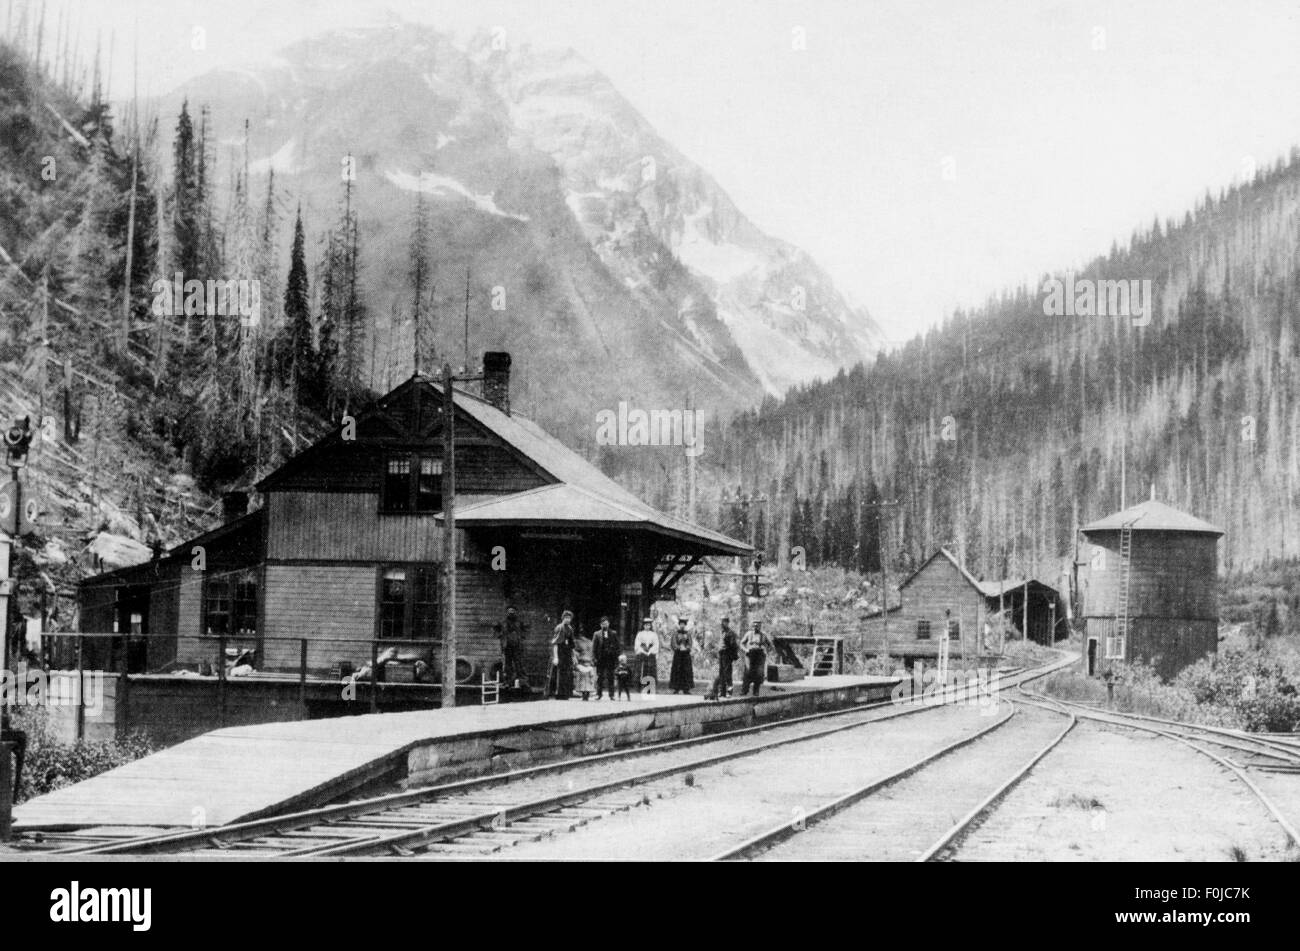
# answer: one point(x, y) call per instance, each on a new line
point(496, 379)
point(233, 505)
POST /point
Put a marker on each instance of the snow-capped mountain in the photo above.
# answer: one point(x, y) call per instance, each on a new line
point(629, 188)
point(613, 253)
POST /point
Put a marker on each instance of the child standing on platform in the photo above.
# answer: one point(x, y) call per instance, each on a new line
point(586, 678)
point(623, 673)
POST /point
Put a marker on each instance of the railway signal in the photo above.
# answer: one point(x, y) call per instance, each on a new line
point(15, 519)
point(18, 440)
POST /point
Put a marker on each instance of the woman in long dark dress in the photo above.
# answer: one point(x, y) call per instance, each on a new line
point(682, 677)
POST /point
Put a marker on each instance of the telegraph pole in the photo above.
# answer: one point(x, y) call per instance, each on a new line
point(449, 532)
point(448, 539)
point(879, 508)
point(754, 566)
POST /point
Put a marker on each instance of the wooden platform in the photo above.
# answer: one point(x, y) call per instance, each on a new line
point(245, 772)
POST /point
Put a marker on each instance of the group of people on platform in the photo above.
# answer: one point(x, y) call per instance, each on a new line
point(599, 665)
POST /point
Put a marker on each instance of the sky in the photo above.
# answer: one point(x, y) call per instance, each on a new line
point(926, 154)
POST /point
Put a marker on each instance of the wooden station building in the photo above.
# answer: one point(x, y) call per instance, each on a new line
point(1148, 588)
point(346, 549)
point(941, 599)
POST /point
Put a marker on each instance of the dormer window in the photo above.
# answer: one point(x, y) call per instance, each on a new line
point(412, 483)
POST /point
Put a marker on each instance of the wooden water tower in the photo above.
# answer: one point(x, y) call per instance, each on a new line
point(1149, 588)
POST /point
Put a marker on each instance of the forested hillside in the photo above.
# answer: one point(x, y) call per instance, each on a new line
point(1000, 431)
point(146, 407)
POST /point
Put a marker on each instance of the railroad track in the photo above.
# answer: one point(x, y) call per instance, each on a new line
point(1201, 738)
point(483, 815)
point(890, 818)
point(908, 815)
point(1267, 751)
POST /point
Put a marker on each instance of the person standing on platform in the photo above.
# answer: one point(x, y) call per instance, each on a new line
point(560, 682)
point(512, 647)
point(682, 676)
point(728, 653)
point(755, 659)
point(646, 647)
point(605, 648)
point(623, 673)
point(584, 676)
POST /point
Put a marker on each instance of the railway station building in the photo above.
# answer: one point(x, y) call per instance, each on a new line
point(344, 553)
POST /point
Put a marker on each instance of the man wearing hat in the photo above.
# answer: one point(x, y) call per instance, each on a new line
point(682, 677)
point(560, 680)
point(605, 648)
point(646, 647)
point(755, 659)
point(728, 653)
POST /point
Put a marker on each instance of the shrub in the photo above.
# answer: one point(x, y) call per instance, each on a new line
point(52, 764)
point(1259, 687)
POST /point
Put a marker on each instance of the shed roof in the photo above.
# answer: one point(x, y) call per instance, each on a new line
point(579, 505)
point(1152, 516)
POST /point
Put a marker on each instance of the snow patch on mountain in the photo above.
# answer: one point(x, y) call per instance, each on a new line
point(768, 350)
point(443, 185)
point(281, 162)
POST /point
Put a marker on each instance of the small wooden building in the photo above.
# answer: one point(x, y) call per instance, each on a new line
point(1148, 588)
point(345, 551)
point(943, 599)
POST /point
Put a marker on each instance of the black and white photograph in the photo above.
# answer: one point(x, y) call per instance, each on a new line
point(519, 432)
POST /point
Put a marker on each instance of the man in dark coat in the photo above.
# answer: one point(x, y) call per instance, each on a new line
point(512, 647)
point(606, 648)
point(728, 653)
point(560, 682)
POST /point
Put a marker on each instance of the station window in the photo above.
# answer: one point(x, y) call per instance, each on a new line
point(409, 608)
point(428, 485)
point(397, 484)
point(923, 630)
point(392, 603)
point(954, 628)
point(412, 483)
point(230, 602)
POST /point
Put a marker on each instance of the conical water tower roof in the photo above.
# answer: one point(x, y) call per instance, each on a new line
point(1152, 516)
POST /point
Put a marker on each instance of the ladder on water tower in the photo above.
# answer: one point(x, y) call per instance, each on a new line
point(1115, 646)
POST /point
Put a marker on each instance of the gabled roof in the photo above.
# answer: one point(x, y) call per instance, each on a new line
point(579, 493)
point(1152, 516)
point(989, 589)
point(945, 553)
point(583, 495)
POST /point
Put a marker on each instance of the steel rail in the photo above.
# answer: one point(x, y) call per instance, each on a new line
point(1117, 719)
point(967, 822)
point(222, 837)
point(200, 838)
point(777, 834)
